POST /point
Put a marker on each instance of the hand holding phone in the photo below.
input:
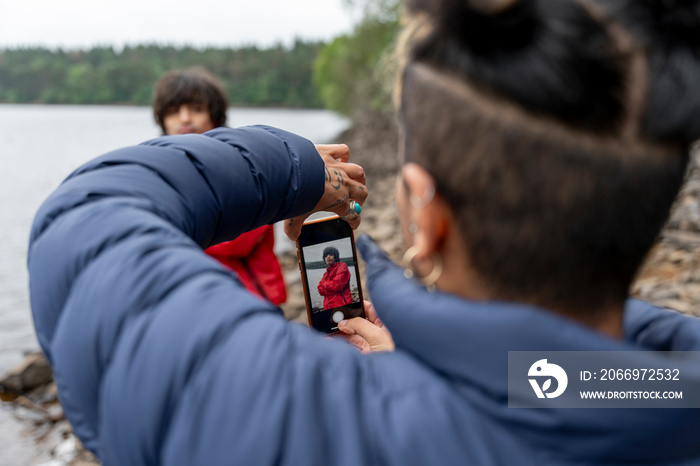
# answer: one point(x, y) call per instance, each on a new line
point(330, 274)
point(344, 182)
point(369, 335)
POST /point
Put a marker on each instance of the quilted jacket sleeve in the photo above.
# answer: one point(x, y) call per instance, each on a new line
point(160, 355)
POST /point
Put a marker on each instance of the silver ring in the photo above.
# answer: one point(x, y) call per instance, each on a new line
point(355, 206)
point(354, 211)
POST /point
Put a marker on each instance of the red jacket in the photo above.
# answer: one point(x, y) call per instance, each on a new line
point(252, 256)
point(335, 286)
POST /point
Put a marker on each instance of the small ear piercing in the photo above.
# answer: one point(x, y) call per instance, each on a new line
point(423, 202)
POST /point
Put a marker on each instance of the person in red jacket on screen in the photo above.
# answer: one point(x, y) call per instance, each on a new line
point(335, 283)
point(192, 101)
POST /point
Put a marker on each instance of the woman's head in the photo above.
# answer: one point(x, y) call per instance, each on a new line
point(556, 132)
point(330, 255)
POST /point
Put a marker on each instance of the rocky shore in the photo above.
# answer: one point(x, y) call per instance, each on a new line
point(669, 278)
point(31, 392)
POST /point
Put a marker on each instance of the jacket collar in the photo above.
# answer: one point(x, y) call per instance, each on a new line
point(433, 325)
point(334, 266)
point(439, 322)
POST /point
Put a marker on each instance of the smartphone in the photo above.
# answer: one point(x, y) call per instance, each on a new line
point(329, 273)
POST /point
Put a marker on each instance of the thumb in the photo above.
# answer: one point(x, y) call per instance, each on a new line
point(379, 339)
point(292, 227)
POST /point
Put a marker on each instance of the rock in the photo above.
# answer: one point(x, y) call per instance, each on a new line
point(66, 450)
point(676, 305)
point(55, 412)
point(670, 276)
point(83, 457)
point(53, 463)
point(45, 394)
point(29, 374)
point(662, 294)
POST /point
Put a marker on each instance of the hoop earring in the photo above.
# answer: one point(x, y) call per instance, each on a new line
point(423, 202)
point(430, 279)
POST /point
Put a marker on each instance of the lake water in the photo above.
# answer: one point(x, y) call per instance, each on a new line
point(39, 146)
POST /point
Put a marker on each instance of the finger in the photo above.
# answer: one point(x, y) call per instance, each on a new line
point(354, 339)
point(370, 312)
point(361, 327)
point(350, 216)
point(337, 151)
point(354, 222)
point(358, 342)
point(351, 205)
point(355, 172)
point(292, 226)
point(352, 209)
point(357, 192)
point(347, 330)
point(351, 336)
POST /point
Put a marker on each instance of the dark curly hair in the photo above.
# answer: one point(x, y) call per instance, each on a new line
point(192, 85)
point(331, 251)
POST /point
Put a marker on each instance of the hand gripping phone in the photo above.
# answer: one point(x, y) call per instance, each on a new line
point(329, 273)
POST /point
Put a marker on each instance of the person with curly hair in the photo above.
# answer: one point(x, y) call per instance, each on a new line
point(334, 286)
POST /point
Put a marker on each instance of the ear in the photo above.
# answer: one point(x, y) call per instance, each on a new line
point(427, 210)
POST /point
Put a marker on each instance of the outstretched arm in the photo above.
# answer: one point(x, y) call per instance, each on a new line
point(135, 318)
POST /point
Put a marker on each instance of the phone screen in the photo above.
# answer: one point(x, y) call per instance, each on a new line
point(330, 273)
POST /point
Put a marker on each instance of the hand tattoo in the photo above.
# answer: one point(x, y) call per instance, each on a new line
point(340, 180)
point(337, 203)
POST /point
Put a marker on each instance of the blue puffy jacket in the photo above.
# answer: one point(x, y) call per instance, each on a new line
point(162, 357)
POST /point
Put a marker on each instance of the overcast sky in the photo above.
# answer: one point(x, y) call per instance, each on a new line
point(84, 23)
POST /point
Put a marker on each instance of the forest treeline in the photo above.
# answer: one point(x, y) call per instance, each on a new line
point(277, 76)
point(349, 74)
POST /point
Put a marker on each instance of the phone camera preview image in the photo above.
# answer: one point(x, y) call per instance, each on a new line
point(328, 263)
